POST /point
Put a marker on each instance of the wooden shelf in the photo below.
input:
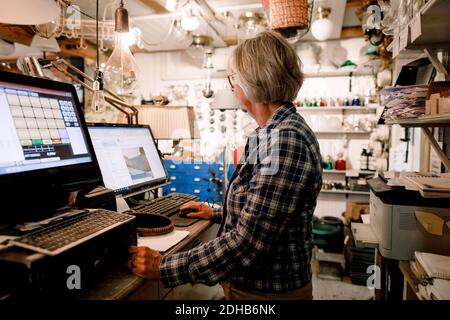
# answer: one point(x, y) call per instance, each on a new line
point(340, 73)
point(336, 108)
point(341, 132)
point(435, 26)
point(424, 121)
point(365, 193)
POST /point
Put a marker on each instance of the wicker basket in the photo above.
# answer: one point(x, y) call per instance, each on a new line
point(288, 14)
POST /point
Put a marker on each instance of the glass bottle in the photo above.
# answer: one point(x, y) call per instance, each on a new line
point(356, 101)
point(340, 162)
point(364, 160)
point(328, 163)
point(346, 102)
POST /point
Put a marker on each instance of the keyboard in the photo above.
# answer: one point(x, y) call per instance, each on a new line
point(167, 205)
point(57, 238)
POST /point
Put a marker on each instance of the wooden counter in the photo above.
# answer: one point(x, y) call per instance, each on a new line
point(121, 284)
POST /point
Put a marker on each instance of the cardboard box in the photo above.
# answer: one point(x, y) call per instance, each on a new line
point(444, 105)
point(434, 103)
point(354, 209)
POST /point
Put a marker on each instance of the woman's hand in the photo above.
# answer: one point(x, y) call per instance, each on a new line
point(203, 210)
point(144, 262)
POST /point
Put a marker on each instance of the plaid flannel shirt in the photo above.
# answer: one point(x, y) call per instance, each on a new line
point(265, 238)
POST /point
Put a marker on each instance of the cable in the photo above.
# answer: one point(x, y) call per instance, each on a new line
point(96, 40)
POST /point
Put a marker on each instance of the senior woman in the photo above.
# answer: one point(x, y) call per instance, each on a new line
point(263, 249)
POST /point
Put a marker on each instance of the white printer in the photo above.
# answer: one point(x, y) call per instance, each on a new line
point(403, 222)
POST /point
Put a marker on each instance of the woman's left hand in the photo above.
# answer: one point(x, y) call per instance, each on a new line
point(144, 262)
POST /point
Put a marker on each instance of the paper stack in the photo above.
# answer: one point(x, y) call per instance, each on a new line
point(430, 185)
point(404, 101)
point(433, 271)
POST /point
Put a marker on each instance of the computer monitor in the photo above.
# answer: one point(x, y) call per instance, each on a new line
point(128, 158)
point(45, 150)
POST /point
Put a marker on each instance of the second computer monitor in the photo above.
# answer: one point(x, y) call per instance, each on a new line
point(128, 158)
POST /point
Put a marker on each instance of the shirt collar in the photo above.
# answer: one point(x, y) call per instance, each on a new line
point(279, 115)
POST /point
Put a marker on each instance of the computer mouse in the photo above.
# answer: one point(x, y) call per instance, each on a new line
point(184, 212)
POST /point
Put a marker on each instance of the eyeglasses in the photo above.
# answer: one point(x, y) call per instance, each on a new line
point(231, 80)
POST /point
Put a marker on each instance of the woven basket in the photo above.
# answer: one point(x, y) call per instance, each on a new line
point(288, 14)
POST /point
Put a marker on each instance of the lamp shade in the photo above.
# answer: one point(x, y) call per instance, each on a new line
point(225, 100)
point(169, 122)
point(6, 48)
point(50, 45)
point(29, 12)
point(21, 50)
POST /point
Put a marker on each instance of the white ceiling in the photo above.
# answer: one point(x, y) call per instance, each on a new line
point(154, 27)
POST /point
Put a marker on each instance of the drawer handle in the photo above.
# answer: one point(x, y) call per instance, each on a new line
point(196, 167)
point(173, 189)
point(173, 178)
point(196, 191)
point(172, 166)
point(197, 179)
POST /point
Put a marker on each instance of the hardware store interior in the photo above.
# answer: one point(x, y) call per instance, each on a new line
point(209, 150)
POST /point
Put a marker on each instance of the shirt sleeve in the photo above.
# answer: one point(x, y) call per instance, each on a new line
point(217, 215)
point(278, 181)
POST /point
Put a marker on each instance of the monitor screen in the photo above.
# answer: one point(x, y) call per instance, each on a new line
point(128, 158)
point(39, 129)
point(46, 154)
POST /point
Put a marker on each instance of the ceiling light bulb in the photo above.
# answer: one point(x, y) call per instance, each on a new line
point(98, 103)
point(121, 70)
point(130, 38)
point(171, 5)
point(322, 27)
point(190, 23)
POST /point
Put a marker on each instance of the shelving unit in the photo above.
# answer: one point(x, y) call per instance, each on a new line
point(342, 108)
point(340, 73)
point(434, 25)
point(425, 122)
point(341, 132)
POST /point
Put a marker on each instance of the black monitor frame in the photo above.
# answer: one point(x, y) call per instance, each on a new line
point(145, 186)
point(36, 194)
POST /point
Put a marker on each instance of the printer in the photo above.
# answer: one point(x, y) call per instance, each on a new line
point(403, 221)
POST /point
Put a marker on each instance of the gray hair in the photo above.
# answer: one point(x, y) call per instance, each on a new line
point(267, 68)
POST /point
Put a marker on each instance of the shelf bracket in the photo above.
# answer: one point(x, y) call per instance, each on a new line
point(437, 148)
point(437, 64)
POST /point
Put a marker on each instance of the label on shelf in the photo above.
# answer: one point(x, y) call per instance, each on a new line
point(396, 41)
point(416, 28)
point(403, 42)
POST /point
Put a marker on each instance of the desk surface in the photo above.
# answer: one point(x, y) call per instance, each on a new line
point(121, 283)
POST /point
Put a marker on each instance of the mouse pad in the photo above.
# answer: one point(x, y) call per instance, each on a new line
point(182, 222)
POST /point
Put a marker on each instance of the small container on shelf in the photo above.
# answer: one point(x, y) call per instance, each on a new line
point(340, 162)
point(328, 163)
point(346, 102)
point(364, 160)
point(355, 101)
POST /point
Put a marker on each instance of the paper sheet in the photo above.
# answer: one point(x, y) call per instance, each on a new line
point(163, 242)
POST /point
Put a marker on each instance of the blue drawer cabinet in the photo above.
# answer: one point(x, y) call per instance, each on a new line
point(201, 179)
